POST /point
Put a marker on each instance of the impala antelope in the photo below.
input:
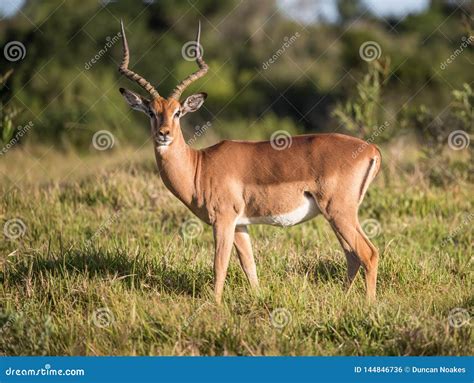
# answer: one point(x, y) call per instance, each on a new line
point(234, 184)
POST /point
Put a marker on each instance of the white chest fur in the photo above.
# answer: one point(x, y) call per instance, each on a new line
point(302, 213)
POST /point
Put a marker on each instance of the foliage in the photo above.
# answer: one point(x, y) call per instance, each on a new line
point(7, 112)
point(463, 106)
point(363, 113)
point(433, 133)
point(69, 99)
point(258, 129)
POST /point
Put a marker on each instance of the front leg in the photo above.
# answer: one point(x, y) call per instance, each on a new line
point(223, 240)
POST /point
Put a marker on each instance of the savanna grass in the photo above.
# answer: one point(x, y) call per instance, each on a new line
point(104, 268)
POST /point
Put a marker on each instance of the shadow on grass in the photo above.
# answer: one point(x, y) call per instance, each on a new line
point(130, 271)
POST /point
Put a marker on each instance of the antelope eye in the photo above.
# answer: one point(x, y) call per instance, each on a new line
point(176, 115)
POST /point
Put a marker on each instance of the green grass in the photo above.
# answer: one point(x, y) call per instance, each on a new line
point(103, 233)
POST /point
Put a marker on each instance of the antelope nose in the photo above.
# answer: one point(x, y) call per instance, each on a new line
point(164, 133)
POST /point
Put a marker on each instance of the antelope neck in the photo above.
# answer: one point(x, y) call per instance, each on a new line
point(178, 165)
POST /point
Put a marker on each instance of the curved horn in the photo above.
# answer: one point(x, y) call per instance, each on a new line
point(176, 93)
point(123, 68)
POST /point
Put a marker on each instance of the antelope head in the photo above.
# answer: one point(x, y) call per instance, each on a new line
point(164, 113)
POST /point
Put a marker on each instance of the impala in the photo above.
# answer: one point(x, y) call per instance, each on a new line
point(234, 184)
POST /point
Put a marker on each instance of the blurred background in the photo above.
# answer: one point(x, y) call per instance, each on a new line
point(386, 71)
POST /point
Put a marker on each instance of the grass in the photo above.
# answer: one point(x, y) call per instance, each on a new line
point(103, 268)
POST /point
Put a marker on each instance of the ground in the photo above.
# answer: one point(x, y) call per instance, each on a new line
point(98, 258)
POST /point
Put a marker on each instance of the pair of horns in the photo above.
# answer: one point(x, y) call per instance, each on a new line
point(179, 89)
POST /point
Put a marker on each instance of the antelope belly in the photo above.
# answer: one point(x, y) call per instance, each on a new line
point(302, 213)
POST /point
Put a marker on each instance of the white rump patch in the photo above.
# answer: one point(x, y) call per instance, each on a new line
point(302, 213)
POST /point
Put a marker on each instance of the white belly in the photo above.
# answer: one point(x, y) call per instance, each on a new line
point(302, 213)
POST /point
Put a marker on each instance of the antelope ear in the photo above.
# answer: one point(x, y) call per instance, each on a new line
point(136, 101)
point(193, 103)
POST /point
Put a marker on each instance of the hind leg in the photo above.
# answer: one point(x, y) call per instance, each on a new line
point(244, 251)
point(372, 270)
point(353, 263)
point(346, 226)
